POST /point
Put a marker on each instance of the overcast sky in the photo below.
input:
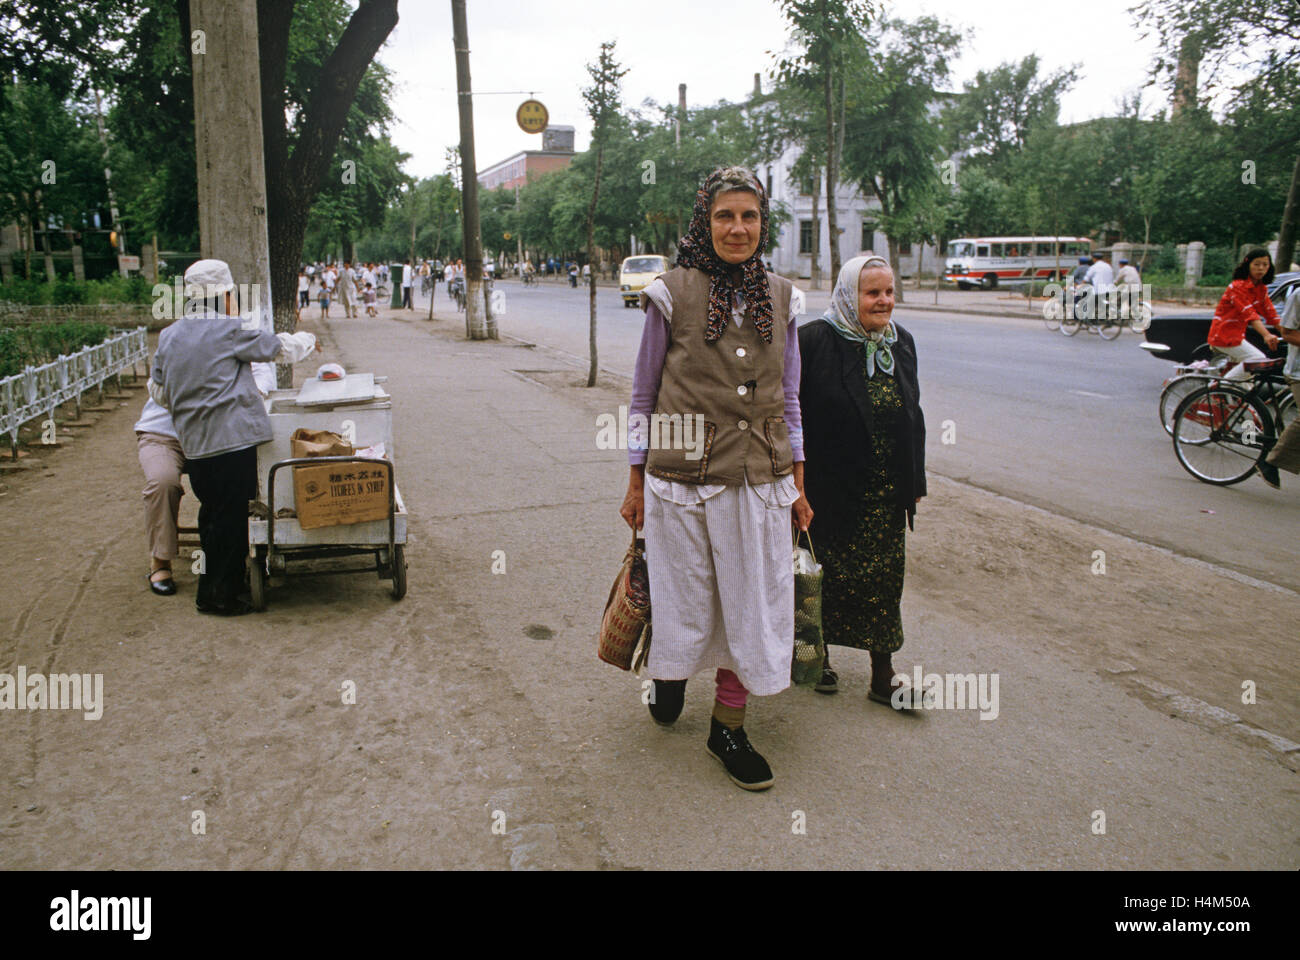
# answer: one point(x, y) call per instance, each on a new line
point(715, 49)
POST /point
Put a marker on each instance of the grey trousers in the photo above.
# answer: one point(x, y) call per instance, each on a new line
point(161, 460)
point(1285, 455)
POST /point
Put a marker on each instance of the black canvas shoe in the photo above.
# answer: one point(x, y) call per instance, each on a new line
point(666, 701)
point(1270, 476)
point(744, 764)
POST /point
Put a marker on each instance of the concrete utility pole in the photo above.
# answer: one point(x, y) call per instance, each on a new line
point(681, 111)
point(228, 144)
point(478, 326)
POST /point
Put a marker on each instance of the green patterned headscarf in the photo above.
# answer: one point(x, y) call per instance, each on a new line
point(842, 314)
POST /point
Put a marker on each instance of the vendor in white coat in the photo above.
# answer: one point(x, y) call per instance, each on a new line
point(202, 373)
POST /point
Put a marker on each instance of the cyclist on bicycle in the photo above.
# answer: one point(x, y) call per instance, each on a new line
point(1245, 303)
point(1285, 455)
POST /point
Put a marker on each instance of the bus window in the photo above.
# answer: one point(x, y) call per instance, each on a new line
point(1013, 250)
point(1045, 250)
point(995, 249)
point(982, 251)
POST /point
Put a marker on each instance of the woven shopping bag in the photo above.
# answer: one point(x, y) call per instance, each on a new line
point(809, 647)
point(625, 627)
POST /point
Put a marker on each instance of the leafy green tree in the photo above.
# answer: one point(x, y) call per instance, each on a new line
point(50, 164)
point(992, 119)
point(892, 144)
point(602, 99)
point(830, 34)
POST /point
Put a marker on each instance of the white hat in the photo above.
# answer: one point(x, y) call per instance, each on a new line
point(211, 276)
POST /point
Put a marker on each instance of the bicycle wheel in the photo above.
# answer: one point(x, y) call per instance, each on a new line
point(1109, 327)
point(1219, 434)
point(1052, 311)
point(1287, 411)
point(1070, 325)
point(1175, 391)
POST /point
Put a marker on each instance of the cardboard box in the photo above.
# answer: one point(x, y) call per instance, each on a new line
point(336, 494)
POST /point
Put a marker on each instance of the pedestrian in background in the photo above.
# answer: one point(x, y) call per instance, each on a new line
point(407, 279)
point(347, 287)
point(864, 438)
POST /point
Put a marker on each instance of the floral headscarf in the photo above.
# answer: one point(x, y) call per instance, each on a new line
point(696, 250)
point(842, 314)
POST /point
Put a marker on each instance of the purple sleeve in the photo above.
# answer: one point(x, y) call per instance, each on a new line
point(793, 416)
point(646, 378)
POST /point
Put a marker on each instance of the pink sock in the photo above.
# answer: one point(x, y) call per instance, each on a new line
point(730, 691)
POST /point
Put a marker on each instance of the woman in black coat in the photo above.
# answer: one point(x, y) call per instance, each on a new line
point(864, 440)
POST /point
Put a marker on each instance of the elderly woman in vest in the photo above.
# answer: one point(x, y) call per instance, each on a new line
point(864, 437)
point(717, 377)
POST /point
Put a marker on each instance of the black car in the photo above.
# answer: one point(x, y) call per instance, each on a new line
point(1184, 335)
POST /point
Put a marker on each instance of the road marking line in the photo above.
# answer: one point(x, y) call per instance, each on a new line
point(1099, 396)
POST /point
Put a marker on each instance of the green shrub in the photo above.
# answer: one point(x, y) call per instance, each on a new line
point(42, 342)
point(1219, 262)
point(1166, 261)
point(67, 290)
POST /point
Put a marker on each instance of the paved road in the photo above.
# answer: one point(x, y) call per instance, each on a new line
point(1068, 424)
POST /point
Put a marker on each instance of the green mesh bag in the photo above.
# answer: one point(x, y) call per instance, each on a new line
point(809, 648)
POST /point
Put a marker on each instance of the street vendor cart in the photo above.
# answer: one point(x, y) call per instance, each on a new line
point(356, 407)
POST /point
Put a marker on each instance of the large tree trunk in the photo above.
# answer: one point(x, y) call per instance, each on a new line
point(832, 214)
point(1286, 234)
point(292, 180)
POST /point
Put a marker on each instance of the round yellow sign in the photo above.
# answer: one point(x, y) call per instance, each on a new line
point(532, 116)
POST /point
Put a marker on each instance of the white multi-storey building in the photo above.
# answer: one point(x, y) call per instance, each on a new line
point(858, 223)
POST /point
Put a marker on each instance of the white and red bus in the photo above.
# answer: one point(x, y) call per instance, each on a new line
point(989, 261)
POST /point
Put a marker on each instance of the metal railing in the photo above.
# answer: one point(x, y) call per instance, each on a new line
point(37, 391)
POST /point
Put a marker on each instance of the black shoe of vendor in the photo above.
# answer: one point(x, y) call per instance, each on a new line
point(666, 700)
point(235, 608)
point(744, 764)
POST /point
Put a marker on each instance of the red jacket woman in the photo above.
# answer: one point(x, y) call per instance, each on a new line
point(1245, 303)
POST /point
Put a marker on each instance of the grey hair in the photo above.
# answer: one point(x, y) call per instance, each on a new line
point(734, 178)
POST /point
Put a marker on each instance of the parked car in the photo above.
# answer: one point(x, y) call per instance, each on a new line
point(1184, 334)
point(637, 273)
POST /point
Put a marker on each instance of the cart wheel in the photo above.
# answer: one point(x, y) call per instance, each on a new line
point(257, 580)
point(399, 571)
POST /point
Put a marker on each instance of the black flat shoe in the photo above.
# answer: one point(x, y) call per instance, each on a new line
point(666, 701)
point(236, 608)
point(743, 763)
point(164, 588)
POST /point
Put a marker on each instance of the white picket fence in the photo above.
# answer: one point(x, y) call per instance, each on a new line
point(36, 391)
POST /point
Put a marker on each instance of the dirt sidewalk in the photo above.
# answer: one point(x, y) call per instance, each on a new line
point(480, 704)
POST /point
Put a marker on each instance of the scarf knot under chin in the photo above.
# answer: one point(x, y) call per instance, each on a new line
point(695, 250)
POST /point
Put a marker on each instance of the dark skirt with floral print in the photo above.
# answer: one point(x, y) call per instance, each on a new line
point(862, 580)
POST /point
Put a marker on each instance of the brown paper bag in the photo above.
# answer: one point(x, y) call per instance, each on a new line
point(318, 443)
